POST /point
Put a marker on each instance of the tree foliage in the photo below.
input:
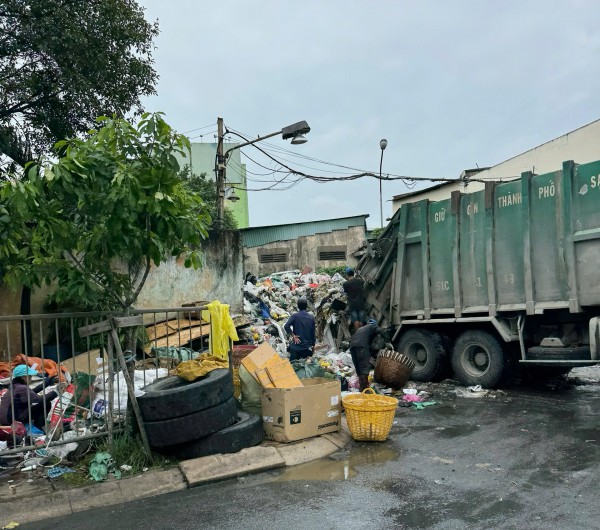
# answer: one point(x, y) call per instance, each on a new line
point(96, 220)
point(207, 189)
point(64, 62)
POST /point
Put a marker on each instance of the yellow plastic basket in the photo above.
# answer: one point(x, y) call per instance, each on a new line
point(369, 415)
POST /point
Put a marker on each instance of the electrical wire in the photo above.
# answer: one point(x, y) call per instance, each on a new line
point(199, 128)
point(270, 150)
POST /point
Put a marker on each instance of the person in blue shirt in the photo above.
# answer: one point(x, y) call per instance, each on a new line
point(301, 326)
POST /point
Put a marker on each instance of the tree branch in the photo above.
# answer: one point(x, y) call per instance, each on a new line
point(95, 279)
point(131, 301)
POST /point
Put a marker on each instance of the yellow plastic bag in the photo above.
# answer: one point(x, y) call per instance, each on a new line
point(192, 370)
point(222, 329)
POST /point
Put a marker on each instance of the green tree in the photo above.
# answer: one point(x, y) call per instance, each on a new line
point(110, 207)
point(375, 233)
point(65, 62)
point(207, 189)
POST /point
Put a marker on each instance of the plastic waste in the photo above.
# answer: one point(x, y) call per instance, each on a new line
point(251, 392)
point(101, 465)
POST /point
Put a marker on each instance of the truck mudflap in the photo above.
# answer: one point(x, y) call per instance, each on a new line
point(595, 337)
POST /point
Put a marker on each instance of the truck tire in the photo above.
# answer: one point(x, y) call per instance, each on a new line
point(578, 353)
point(199, 424)
point(247, 431)
point(173, 397)
point(427, 349)
point(478, 359)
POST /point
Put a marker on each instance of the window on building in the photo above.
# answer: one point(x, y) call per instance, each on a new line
point(337, 253)
point(273, 256)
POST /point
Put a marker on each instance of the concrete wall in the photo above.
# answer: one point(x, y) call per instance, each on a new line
point(581, 145)
point(220, 278)
point(304, 251)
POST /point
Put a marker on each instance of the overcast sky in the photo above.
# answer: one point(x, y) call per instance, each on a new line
point(451, 85)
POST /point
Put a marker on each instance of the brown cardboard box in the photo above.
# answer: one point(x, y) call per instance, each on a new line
point(269, 369)
point(291, 414)
point(259, 358)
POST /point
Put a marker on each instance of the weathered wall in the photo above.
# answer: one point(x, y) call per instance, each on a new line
point(170, 285)
point(10, 331)
point(304, 251)
point(220, 278)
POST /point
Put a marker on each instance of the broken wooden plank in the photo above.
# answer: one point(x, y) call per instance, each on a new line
point(180, 337)
point(94, 329)
point(129, 322)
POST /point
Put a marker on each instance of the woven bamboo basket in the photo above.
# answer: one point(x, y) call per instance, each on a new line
point(369, 415)
point(393, 368)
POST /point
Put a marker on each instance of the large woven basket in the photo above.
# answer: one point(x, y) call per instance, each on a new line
point(369, 415)
point(393, 368)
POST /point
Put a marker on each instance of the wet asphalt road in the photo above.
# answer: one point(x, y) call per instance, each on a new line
point(525, 458)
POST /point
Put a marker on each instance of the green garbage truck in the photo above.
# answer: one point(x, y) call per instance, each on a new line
point(487, 282)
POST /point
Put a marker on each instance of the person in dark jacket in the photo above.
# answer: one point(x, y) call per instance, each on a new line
point(301, 326)
point(21, 395)
point(354, 289)
point(361, 347)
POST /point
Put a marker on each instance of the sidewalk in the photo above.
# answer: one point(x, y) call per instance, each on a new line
point(42, 499)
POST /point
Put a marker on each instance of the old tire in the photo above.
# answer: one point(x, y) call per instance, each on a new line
point(199, 424)
point(173, 397)
point(427, 349)
point(247, 431)
point(478, 359)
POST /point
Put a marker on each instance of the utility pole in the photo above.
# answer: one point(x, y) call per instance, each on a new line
point(220, 176)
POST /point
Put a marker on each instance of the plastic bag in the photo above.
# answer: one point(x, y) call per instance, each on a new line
point(306, 369)
point(251, 392)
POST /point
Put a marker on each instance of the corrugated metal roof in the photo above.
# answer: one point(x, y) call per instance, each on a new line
point(261, 235)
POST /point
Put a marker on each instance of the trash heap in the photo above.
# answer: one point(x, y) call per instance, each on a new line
point(269, 302)
point(84, 407)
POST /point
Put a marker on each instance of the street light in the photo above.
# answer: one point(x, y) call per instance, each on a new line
point(295, 132)
point(231, 195)
point(382, 144)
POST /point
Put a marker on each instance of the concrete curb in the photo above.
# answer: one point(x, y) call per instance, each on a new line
point(17, 505)
point(20, 508)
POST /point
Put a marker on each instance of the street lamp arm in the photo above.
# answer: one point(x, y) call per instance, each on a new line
point(247, 142)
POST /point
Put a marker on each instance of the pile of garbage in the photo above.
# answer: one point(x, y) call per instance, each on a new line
point(269, 302)
point(84, 407)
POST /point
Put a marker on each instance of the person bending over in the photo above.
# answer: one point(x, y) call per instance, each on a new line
point(361, 347)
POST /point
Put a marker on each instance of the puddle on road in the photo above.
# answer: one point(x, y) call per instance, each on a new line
point(343, 469)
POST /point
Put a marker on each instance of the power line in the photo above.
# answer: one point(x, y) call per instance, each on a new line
point(199, 128)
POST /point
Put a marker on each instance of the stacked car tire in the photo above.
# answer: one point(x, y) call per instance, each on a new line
point(199, 418)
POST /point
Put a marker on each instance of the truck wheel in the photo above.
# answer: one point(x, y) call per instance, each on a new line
point(426, 348)
point(478, 359)
point(247, 431)
point(173, 397)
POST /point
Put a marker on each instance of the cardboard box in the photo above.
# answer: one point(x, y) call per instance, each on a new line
point(291, 414)
point(269, 369)
point(259, 358)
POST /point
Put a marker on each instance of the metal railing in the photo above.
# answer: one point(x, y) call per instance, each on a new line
point(92, 395)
